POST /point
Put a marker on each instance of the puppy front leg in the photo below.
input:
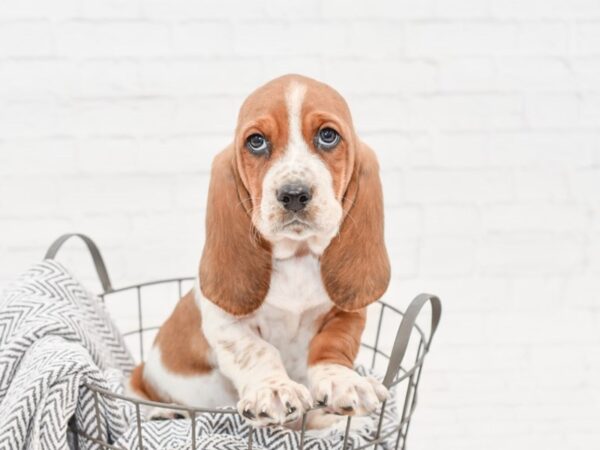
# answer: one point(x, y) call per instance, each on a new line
point(267, 394)
point(331, 356)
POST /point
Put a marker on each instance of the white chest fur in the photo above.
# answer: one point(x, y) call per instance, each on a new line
point(289, 316)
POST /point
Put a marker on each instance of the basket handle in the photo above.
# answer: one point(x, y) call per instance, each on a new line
point(93, 249)
point(405, 330)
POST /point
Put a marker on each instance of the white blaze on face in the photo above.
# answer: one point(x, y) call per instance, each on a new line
point(296, 148)
point(299, 165)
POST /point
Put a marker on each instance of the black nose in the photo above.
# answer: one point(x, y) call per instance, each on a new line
point(294, 197)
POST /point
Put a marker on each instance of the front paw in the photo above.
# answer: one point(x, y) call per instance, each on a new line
point(343, 391)
point(274, 401)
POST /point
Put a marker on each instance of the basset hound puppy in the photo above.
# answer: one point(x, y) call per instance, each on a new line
point(294, 253)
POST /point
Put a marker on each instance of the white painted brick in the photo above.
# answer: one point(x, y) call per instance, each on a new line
point(531, 218)
point(403, 222)
point(593, 254)
point(111, 9)
point(460, 342)
point(378, 9)
point(34, 9)
point(531, 254)
point(406, 254)
point(28, 195)
point(203, 38)
point(455, 220)
point(37, 237)
point(37, 79)
point(27, 39)
point(447, 256)
point(293, 10)
point(149, 116)
point(585, 185)
point(308, 65)
point(471, 293)
point(376, 39)
point(110, 156)
point(474, 112)
point(110, 39)
point(205, 115)
point(200, 77)
point(461, 150)
point(453, 9)
point(106, 194)
point(185, 9)
point(586, 39)
point(368, 113)
point(436, 39)
point(392, 77)
point(155, 116)
point(553, 110)
point(590, 110)
point(38, 156)
point(586, 72)
point(33, 119)
point(106, 79)
point(458, 186)
point(191, 192)
point(275, 38)
point(542, 149)
point(542, 38)
point(228, 9)
point(538, 294)
point(542, 9)
point(468, 74)
point(541, 184)
point(109, 230)
point(551, 328)
point(595, 219)
point(393, 188)
point(582, 289)
point(179, 154)
point(152, 229)
point(523, 73)
point(400, 150)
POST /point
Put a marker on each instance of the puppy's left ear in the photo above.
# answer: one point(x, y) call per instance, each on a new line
point(355, 268)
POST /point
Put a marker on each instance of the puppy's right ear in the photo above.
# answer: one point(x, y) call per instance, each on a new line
point(235, 268)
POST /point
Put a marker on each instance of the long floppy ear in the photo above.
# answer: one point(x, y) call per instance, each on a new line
point(355, 268)
point(235, 268)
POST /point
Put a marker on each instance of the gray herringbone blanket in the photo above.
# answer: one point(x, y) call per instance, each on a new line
point(55, 337)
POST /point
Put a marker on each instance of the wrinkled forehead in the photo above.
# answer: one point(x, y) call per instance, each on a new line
point(277, 98)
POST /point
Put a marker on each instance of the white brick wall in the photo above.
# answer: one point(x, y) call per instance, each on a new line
point(486, 118)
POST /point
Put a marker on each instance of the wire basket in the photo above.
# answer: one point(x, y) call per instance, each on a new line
point(402, 361)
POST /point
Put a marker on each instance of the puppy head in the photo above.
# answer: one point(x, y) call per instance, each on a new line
point(295, 173)
point(295, 147)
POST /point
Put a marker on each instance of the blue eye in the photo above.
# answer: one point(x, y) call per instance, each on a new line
point(257, 144)
point(327, 139)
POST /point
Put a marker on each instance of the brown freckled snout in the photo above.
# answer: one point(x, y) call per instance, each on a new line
point(294, 196)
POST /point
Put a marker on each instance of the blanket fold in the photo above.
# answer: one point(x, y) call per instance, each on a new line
point(54, 338)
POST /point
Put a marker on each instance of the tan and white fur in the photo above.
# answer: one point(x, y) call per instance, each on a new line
point(275, 318)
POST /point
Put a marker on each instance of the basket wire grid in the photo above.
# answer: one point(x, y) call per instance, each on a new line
point(397, 372)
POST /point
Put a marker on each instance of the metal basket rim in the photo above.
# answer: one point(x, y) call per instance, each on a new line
point(158, 281)
point(392, 377)
point(230, 410)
